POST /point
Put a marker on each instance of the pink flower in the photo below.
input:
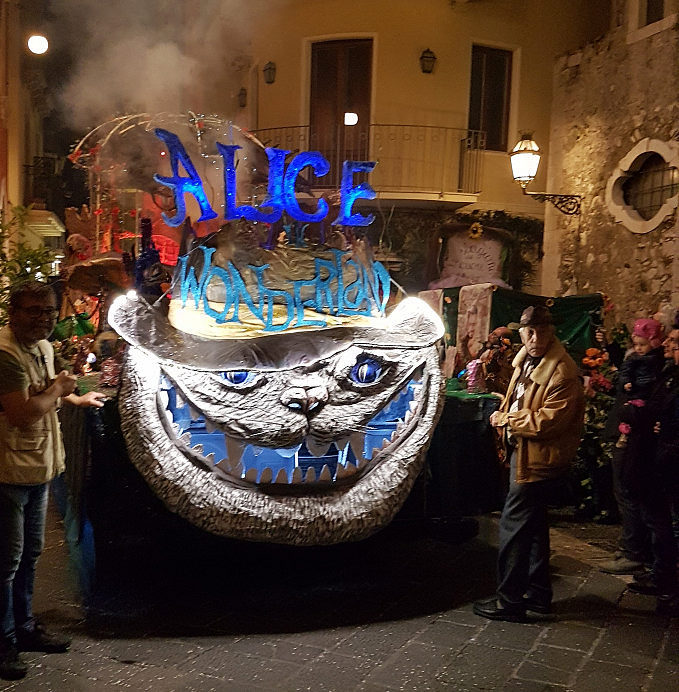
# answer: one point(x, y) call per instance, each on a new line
point(625, 428)
point(639, 403)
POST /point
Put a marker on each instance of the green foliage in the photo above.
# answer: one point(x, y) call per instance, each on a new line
point(18, 260)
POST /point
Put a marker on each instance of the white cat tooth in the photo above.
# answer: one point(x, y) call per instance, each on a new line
point(176, 429)
point(357, 442)
point(317, 448)
point(210, 426)
point(267, 475)
point(251, 475)
point(310, 476)
point(341, 443)
point(234, 449)
point(211, 458)
point(325, 476)
point(408, 417)
point(164, 398)
point(180, 402)
point(345, 471)
point(413, 406)
point(198, 449)
point(237, 470)
point(186, 439)
point(393, 436)
point(297, 475)
point(195, 414)
point(282, 477)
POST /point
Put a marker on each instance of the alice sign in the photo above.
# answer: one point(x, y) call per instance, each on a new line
point(280, 189)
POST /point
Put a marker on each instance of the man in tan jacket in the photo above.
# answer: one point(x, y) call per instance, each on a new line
point(541, 422)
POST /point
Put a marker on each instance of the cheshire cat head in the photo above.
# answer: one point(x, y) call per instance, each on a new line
point(272, 399)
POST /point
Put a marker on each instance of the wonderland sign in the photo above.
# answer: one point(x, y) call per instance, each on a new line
point(280, 190)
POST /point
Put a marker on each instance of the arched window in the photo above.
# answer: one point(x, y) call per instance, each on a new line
point(643, 189)
point(647, 189)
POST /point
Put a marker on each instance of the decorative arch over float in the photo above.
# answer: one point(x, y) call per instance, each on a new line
point(627, 166)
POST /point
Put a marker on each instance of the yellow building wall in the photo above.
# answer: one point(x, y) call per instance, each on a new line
point(536, 30)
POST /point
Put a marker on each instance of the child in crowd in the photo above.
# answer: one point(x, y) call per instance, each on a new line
point(641, 367)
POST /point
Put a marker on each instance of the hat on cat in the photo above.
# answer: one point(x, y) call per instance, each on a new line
point(235, 304)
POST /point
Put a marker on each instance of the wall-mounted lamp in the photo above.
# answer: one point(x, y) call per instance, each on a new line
point(269, 71)
point(37, 43)
point(525, 159)
point(243, 97)
point(427, 61)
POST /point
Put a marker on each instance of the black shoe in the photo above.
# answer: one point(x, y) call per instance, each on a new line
point(492, 610)
point(12, 666)
point(39, 639)
point(643, 586)
point(536, 607)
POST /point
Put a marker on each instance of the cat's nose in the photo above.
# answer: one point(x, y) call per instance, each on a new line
point(305, 399)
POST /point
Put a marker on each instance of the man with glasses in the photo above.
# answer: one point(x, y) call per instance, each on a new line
point(31, 455)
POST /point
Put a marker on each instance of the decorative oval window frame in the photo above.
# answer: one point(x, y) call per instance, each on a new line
point(615, 200)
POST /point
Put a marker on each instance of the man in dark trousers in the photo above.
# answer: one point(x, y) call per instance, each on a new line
point(31, 455)
point(541, 422)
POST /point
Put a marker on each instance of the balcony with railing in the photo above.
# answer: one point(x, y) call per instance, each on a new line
point(415, 163)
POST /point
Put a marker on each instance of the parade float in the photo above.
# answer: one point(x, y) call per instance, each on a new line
point(275, 387)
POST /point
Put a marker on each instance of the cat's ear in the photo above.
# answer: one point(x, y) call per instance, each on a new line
point(416, 322)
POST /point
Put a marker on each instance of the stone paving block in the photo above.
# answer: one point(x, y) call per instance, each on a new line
point(279, 648)
point(579, 637)
point(508, 635)
point(330, 672)
point(550, 664)
point(446, 634)
point(411, 667)
point(479, 667)
point(240, 668)
point(629, 644)
point(665, 678)
point(375, 644)
point(603, 675)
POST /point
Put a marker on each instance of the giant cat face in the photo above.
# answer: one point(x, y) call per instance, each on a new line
point(312, 451)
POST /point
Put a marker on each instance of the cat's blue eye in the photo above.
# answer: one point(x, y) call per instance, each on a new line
point(238, 376)
point(366, 371)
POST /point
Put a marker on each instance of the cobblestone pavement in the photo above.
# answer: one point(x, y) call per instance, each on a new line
point(390, 613)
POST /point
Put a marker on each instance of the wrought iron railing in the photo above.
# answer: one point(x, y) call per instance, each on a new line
point(432, 161)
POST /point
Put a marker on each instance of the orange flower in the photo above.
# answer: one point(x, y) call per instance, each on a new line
point(591, 352)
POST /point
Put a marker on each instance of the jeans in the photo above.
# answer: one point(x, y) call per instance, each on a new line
point(23, 509)
point(523, 557)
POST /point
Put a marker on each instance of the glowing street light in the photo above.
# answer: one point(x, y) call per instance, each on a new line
point(38, 44)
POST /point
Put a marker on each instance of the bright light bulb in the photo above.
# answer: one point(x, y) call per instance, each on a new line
point(38, 44)
point(350, 118)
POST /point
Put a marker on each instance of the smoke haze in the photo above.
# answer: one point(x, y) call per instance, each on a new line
point(130, 56)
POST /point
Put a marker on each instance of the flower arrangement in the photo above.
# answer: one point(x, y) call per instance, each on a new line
point(593, 463)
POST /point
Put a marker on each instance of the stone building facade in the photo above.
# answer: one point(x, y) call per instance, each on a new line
point(615, 114)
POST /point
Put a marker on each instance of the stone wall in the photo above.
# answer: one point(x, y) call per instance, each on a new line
point(609, 96)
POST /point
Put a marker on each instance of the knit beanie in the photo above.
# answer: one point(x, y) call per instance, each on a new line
point(649, 329)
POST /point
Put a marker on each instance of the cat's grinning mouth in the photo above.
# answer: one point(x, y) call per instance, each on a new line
point(311, 463)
